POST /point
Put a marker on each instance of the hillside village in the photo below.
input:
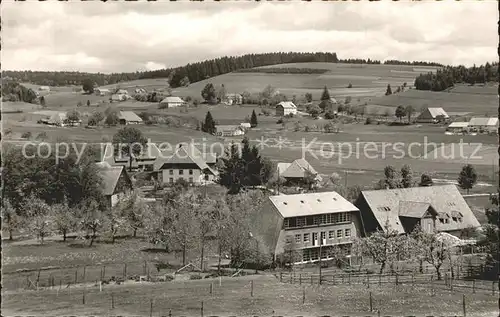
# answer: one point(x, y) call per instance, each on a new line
point(188, 177)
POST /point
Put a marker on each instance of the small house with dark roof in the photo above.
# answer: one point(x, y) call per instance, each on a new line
point(129, 117)
point(432, 115)
point(115, 182)
point(305, 222)
point(229, 130)
point(434, 209)
point(299, 172)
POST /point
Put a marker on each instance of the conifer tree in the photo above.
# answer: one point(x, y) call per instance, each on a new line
point(253, 120)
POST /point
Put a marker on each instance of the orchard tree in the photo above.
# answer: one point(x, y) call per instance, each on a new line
point(381, 246)
point(314, 111)
point(130, 141)
point(400, 112)
point(91, 220)
point(431, 249)
point(111, 118)
point(64, 218)
point(40, 223)
point(114, 220)
point(96, 118)
point(221, 93)
point(467, 177)
point(73, 116)
point(134, 210)
point(10, 219)
point(390, 180)
point(406, 176)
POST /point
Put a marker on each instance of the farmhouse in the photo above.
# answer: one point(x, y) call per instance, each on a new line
point(458, 127)
point(233, 99)
point(245, 125)
point(484, 124)
point(141, 91)
point(129, 117)
point(146, 160)
point(303, 222)
point(434, 208)
point(285, 108)
point(118, 97)
point(102, 91)
point(299, 172)
point(44, 88)
point(187, 163)
point(229, 130)
point(116, 182)
point(122, 92)
point(59, 119)
point(172, 102)
point(432, 115)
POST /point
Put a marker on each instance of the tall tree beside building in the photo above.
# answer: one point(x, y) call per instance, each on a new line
point(406, 176)
point(88, 85)
point(253, 120)
point(467, 177)
point(309, 97)
point(209, 125)
point(231, 170)
point(208, 93)
point(130, 142)
point(409, 112)
point(10, 219)
point(400, 112)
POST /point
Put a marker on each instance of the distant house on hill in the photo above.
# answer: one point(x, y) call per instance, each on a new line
point(484, 124)
point(141, 91)
point(285, 108)
point(189, 164)
point(246, 125)
point(122, 92)
point(172, 102)
point(115, 181)
point(432, 115)
point(129, 117)
point(308, 224)
point(233, 99)
point(102, 91)
point(229, 130)
point(299, 172)
point(434, 209)
point(44, 88)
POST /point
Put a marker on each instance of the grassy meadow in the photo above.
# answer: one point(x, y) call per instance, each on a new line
point(233, 296)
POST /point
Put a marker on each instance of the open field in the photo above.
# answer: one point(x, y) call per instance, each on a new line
point(478, 104)
point(270, 298)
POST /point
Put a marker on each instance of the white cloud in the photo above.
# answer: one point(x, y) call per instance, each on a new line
point(118, 37)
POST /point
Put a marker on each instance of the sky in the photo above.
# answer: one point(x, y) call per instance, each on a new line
point(127, 37)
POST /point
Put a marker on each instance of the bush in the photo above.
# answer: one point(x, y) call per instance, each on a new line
point(188, 99)
point(280, 121)
point(329, 115)
point(41, 136)
point(368, 120)
point(266, 112)
point(26, 135)
point(195, 277)
point(290, 115)
point(349, 86)
point(162, 106)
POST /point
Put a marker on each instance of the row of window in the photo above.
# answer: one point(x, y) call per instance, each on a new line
point(332, 234)
point(447, 220)
point(181, 172)
point(295, 222)
point(171, 179)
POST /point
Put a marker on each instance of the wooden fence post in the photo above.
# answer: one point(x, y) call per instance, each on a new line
point(493, 288)
point(251, 288)
point(379, 279)
point(83, 299)
point(112, 301)
point(368, 281)
point(463, 305)
point(291, 278)
point(413, 280)
point(211, 288)
point(145, 264)
point(125, 271)
point(432, 285)
point(474, 286)
point(311, 279)
point(397, 281)
point(151, 308)
point(303, 295)
point(84, 273)
point(76, 276)
point(104, 272)
point(300, 279)
point(371, 302)
point(451, 284)
point(281, 276)
point(201, 310)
